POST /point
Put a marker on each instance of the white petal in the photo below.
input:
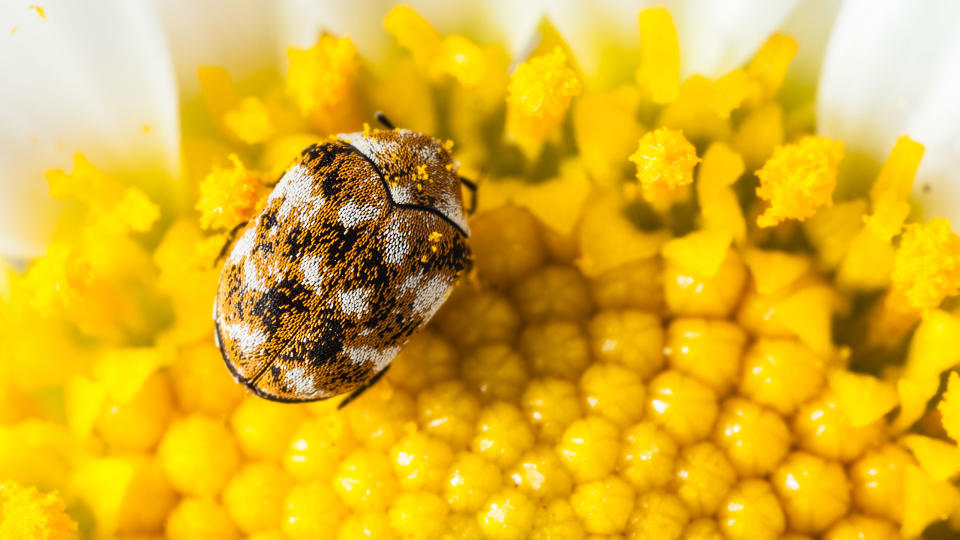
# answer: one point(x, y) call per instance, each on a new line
point(714, 37)
point(891, 70)
point(810, 24)
point(301, 22)
point(497, 21)
point(239, 35)
point(86, 78)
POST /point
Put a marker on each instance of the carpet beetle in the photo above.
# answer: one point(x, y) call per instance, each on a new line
point(357, 247)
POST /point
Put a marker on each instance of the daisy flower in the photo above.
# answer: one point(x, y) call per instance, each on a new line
point(715, 281)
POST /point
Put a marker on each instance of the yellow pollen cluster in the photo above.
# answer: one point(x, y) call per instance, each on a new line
point(26, 514)
point(323, 75)
point(538, 97)
point(614, 367)
point(543, 86)
point(229, 196)
point(116, 207)
point(798, 179)
point(927, 266)
point(665, 160)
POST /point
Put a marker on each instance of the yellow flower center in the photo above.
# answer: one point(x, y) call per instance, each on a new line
point(641, 350)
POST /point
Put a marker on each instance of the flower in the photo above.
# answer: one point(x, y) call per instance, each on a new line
point(751, 348)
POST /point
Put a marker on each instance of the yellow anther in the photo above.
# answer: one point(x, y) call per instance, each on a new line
point(322, 76)
point(799, 179)
point(112, 206)
point(927, 265)
point(719, 207)
point(461, 59)
point(228, 196)
point(758, 134)
point(413, 32)
point(435, 236)
point(538, 97)
point(665, 160)
point(890, 193)
point(729, 91)
point(27, 513)
point(659, 71)
point(250, 122)
point(769, 65)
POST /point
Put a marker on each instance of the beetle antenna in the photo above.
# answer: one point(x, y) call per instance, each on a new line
point(382, 118)
point(472, 186)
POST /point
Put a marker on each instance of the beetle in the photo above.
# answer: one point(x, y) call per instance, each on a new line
point(358, 245)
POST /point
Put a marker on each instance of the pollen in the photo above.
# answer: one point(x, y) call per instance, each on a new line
point(799, 179)
point(31, 515)
point(40, 11)
point(229, 196)
point(322, 76)
point(113, 207)
point(927, 264)
point(665, 160)
point(538, 97)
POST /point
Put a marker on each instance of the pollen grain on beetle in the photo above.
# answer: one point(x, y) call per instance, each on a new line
point(674, 325)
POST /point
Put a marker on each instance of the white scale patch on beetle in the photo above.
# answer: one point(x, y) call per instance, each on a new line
point(244, 246)
point(350, 214)
point(301, 382)
point(401, 194)
point(248, 339)
point(380, 359)
point(251, 277)
point(411, 282)
point(396, 246)
point(354, 302)
point(313, 272)
point(375, 150)
point(430, 296)
point(448, 206)
point(296, 187)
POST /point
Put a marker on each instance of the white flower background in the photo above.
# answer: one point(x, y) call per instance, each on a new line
point(90, 75)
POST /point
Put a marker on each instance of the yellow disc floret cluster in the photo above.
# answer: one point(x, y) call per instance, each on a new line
point(732, 355)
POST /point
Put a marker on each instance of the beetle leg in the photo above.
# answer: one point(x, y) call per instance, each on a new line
point(231, 236)
point(359, 391)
